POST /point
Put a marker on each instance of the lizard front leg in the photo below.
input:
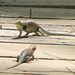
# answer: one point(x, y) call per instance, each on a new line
point(31, 58)
point(19, 36)
point(26, 35)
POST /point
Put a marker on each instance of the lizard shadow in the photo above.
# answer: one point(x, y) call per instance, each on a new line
point(19, 37)
point(31, 36)
point(24, 61)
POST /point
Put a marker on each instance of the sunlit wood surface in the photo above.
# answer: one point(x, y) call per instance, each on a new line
point(55, 47)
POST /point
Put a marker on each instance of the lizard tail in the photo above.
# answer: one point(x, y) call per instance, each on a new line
point(12, 66)
point(45, 31)
point(55, 33)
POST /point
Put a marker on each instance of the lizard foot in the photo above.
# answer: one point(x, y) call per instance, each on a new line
point(16, 37)
point(24, 36)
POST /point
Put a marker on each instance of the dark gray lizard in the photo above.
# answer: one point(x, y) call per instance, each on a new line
point(25, 56)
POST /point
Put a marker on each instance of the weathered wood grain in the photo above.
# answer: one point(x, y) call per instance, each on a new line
point(38, 66)
point(21, 12)
point(55, 47)
point(53, 13)
point(39, 9)
point(14, 12)
point(37, 2)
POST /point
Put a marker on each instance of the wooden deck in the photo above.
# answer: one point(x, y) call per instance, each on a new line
point(51, 48)
point(55, 54)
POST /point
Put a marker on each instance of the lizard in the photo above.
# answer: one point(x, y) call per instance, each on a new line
point(25, 56)
point(31, 26)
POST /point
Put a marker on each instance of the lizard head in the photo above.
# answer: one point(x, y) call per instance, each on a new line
point(19, 25)
point(33, 47)
point(18, 22)
point(22, 23)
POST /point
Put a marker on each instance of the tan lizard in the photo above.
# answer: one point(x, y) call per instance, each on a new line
point(31, 26)
point(25, 56)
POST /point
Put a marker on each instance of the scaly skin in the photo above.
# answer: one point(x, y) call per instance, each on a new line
point(25, 56)
point(55, 33)
point(31, 26)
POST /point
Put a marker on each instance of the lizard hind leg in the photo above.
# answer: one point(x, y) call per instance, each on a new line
point(36, 34)
point(41, 32)
point(26, 34)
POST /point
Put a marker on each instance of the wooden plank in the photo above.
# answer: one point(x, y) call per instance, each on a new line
point(47, 47)
point(40, 40)
point(37, 12)
point(14, 12)
point(40, 58)
point(53, 13)
point(37, 2)
point(39, 66)
point(21, 8)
